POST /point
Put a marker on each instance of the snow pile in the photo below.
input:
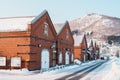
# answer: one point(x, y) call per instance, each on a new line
point(76, 61)
point(19, 72)
point(60, 70)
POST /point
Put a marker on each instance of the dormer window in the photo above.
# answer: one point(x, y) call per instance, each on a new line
point(46, 28)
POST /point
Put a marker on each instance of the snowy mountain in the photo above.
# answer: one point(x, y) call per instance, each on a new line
point(101, 26)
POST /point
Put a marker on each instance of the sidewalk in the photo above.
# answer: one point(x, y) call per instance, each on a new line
point(53, 70)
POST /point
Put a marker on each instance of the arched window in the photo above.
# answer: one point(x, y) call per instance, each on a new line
point(72, 57)
point(60, 57)
point(46, 28)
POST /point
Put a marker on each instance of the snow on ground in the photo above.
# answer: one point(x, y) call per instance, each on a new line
point(107, 71)
point(114, 73)
point(49, 75)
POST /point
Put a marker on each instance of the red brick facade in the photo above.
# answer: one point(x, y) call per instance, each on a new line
point(41, 41)
point(65, 43)
point(80, 51)
point(13, 44)
point(86, 50)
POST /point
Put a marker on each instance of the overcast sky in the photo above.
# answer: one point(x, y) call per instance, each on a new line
point(59, 10)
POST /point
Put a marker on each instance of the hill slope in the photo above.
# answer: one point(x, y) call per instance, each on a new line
point(101, 26)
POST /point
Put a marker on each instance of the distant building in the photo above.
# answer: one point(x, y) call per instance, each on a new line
point(80, 48)
point(90, 48)
point(93, 49)
point(96, 53)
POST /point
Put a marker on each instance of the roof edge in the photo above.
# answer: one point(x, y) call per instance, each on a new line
point(16, 17)
point(66, 22)
point(38, 17)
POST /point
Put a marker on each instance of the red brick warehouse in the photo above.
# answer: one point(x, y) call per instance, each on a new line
point(35, 40)
point(65, 43)
point(80, 48)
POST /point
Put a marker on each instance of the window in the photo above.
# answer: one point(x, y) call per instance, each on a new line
point(46, 28)
point(72, 57)
point(60, 57)
point(67, 34)
point(3, 61)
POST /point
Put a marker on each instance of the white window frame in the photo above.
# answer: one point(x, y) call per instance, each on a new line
point(16, 61)
point(72, 57)
point(3, 61)
point(60, 57)
point(46, 28)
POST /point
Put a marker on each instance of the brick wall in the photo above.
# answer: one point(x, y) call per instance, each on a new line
point(15, 44)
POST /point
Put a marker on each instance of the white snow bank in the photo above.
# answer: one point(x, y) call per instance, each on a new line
point(76, 61)
point(19, 71)
point(48, 75)
point(53, 70)
point(73, 68)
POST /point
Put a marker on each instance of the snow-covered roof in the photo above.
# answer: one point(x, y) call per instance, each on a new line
point(18, 23)
point(94, 43)
point(14, 23)
point(38, 17)
point(59, 29)
point(78, 39)
point(89, 42)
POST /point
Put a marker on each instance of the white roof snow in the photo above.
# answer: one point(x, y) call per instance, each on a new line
point(78, 39)
point(89, 42)
point(38, 17)
point(18, 23)
point(59, 29)
point(14, 24)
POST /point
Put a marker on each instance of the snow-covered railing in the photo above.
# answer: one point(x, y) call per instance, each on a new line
point(53, 68)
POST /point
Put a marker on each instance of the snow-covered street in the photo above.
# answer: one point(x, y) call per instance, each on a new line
point(108, 71)
point(93, 70)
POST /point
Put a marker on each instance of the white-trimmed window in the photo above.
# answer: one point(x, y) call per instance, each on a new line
point(72, 57)
point(46, 28)
point(3, 61)
point(16, 61)
point(60, 57)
